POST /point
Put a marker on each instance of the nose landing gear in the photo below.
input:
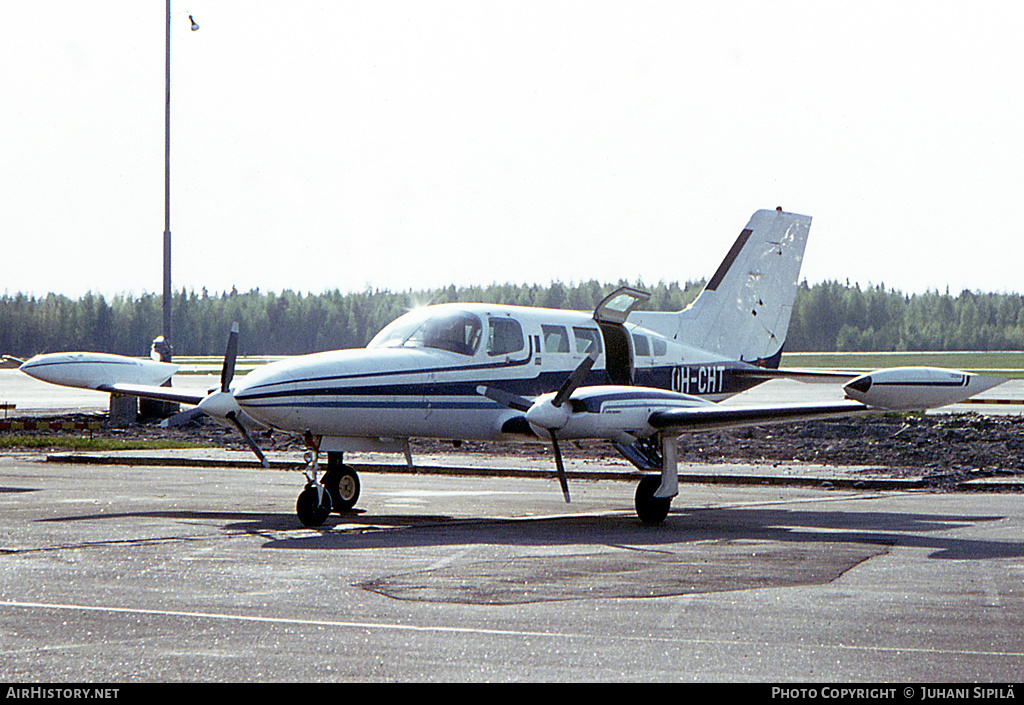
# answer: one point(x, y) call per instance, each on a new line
point(314, 503)
point(338, 492)
point(313, 506)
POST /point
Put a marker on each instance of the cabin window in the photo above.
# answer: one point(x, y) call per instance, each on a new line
point(660, 347)
point(587, 340)
point(556, 340)
point(640, 346)
point(454, 331)
point(506, 336)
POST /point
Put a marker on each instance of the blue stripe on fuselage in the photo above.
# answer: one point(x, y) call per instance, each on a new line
point(327, 395)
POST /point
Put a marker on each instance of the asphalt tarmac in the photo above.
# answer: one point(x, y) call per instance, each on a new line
point(117, 574)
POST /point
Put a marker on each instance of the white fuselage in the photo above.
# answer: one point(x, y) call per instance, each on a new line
point(420, 375)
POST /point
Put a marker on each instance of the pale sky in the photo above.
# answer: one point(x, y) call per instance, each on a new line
point(408, 145)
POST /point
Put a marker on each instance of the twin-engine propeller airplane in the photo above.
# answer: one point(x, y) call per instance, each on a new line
point(633, 378)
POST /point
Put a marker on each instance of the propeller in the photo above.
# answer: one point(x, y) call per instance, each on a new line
point(222, 403)
point(547, 411)
point(233, 418)
point(227, 372)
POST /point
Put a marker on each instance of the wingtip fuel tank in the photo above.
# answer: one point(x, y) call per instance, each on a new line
point(90, 370)
point(915, 388)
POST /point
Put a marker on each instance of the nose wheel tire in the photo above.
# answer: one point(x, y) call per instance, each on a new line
point(313, 507)
point(342, 483)
point(651, 510)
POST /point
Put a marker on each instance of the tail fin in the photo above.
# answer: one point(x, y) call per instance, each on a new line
point(744, 310)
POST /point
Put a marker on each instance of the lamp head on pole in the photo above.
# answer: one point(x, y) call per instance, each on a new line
point(195, 25)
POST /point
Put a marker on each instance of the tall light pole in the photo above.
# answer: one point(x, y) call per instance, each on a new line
point(164, 352)
point(125, 409)
point(166, 329)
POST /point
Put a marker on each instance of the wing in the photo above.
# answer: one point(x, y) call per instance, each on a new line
point(812, 376)
point(139, 377)
point(143, 391)
point(623, 413)
point(722, 417)
point(892, 389)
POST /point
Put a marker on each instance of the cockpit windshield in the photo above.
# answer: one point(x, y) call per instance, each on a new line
point(452, 330)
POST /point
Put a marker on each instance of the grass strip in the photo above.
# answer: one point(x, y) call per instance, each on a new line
point(69, 442)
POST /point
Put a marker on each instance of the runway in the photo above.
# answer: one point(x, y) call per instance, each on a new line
point(111, 574)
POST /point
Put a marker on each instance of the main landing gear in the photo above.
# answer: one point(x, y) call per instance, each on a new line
point(338, 492)
point(655, 492)
point(651, 510)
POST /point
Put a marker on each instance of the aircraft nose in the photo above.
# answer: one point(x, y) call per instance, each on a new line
point(242, 391)
point(262, 394)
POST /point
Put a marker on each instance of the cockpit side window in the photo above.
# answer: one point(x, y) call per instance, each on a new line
point(506, 336)
point(587, 339)
point(456, 332)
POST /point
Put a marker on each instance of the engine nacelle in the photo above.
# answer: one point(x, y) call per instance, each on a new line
point(618, 413)
point(917, 388)
point(89, 370)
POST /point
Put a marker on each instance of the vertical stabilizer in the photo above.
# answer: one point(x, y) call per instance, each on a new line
point(744, 310)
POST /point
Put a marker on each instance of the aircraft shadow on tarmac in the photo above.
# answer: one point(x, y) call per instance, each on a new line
point(613, 556)
point(357, 529)
point(360, 530)
point(5, 490)
point(609, 555)
point(682, 526)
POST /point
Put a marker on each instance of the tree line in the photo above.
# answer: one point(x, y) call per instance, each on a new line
point(838, 317)
point(829, 316)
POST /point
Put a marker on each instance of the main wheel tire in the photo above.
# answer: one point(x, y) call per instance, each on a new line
point(651, 510)
point(343, 485)
point(312, 510)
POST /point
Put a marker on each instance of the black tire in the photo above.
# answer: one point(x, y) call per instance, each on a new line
point(651, 510)
point(343, 485)
point(311, 510)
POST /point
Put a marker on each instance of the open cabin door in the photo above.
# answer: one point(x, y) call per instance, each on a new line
point(611, 316)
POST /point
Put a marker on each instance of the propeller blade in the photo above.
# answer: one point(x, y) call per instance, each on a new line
point(233, 418)
point(227, 372)
point(182, 417)
point(504, 398)
point(575, 379)
point(561, 468)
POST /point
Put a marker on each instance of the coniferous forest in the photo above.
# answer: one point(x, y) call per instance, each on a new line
point(829, 316)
